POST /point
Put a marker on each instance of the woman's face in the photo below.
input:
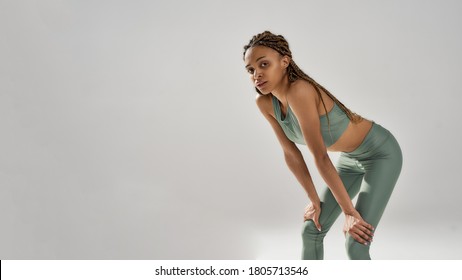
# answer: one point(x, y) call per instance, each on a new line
point(266, 67)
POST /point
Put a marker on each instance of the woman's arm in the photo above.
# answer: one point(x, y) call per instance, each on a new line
point(304, 107)
point(332, 179)
point(303, 102)
point(297, 165)
point(292, 155)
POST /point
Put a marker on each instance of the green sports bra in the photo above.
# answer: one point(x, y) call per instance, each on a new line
point(337, 117)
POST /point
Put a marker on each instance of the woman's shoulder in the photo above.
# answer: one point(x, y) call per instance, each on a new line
point(302, 85)
point(264, 103)
point(301, 88)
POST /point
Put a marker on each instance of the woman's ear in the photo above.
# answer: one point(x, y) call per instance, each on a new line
point(286, 61)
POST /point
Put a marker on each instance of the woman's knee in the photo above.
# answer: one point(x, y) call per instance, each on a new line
point(310, 231)
point(356, 250)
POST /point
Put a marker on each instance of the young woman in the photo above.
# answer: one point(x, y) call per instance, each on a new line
point(302, 111)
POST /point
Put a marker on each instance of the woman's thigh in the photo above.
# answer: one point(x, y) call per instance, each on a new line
point(352, 178)
point(381, 174)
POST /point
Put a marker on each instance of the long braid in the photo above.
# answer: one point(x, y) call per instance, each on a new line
point(280, 44)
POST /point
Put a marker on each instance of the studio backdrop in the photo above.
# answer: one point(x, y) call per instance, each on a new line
point(129, 129)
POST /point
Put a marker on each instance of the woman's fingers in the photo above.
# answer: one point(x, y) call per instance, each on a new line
point(364, 236)
point(359, 238)
point(312, 212)
point(366, 225)
point(316, 221)
point(359, 235)
point(366, 231)
point(309, 213)
point(360, 230)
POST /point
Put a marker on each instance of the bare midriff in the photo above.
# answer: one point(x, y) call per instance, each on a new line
point(353, 135)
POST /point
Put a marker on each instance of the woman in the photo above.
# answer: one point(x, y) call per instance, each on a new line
point(302, 111)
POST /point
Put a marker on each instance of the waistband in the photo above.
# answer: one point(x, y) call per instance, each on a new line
point(376, 136)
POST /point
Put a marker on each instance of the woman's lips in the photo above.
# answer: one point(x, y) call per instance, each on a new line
point(261, 84)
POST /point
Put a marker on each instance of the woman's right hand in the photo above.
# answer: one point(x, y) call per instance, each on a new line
point(313, 211)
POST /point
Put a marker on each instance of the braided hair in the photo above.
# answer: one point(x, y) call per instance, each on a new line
point(280, 44)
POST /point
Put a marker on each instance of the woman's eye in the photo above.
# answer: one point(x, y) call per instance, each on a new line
point(250, 71)
point(264, 63)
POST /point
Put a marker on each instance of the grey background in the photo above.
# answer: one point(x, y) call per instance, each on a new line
point(129, 128)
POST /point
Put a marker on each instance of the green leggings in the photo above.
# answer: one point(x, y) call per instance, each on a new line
point(372, 169)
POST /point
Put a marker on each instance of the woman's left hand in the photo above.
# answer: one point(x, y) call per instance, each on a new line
point(359, 229)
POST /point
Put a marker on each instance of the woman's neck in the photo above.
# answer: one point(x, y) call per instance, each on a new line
point(280, 92)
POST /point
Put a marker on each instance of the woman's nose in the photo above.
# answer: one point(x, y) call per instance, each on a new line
point(256, 74)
